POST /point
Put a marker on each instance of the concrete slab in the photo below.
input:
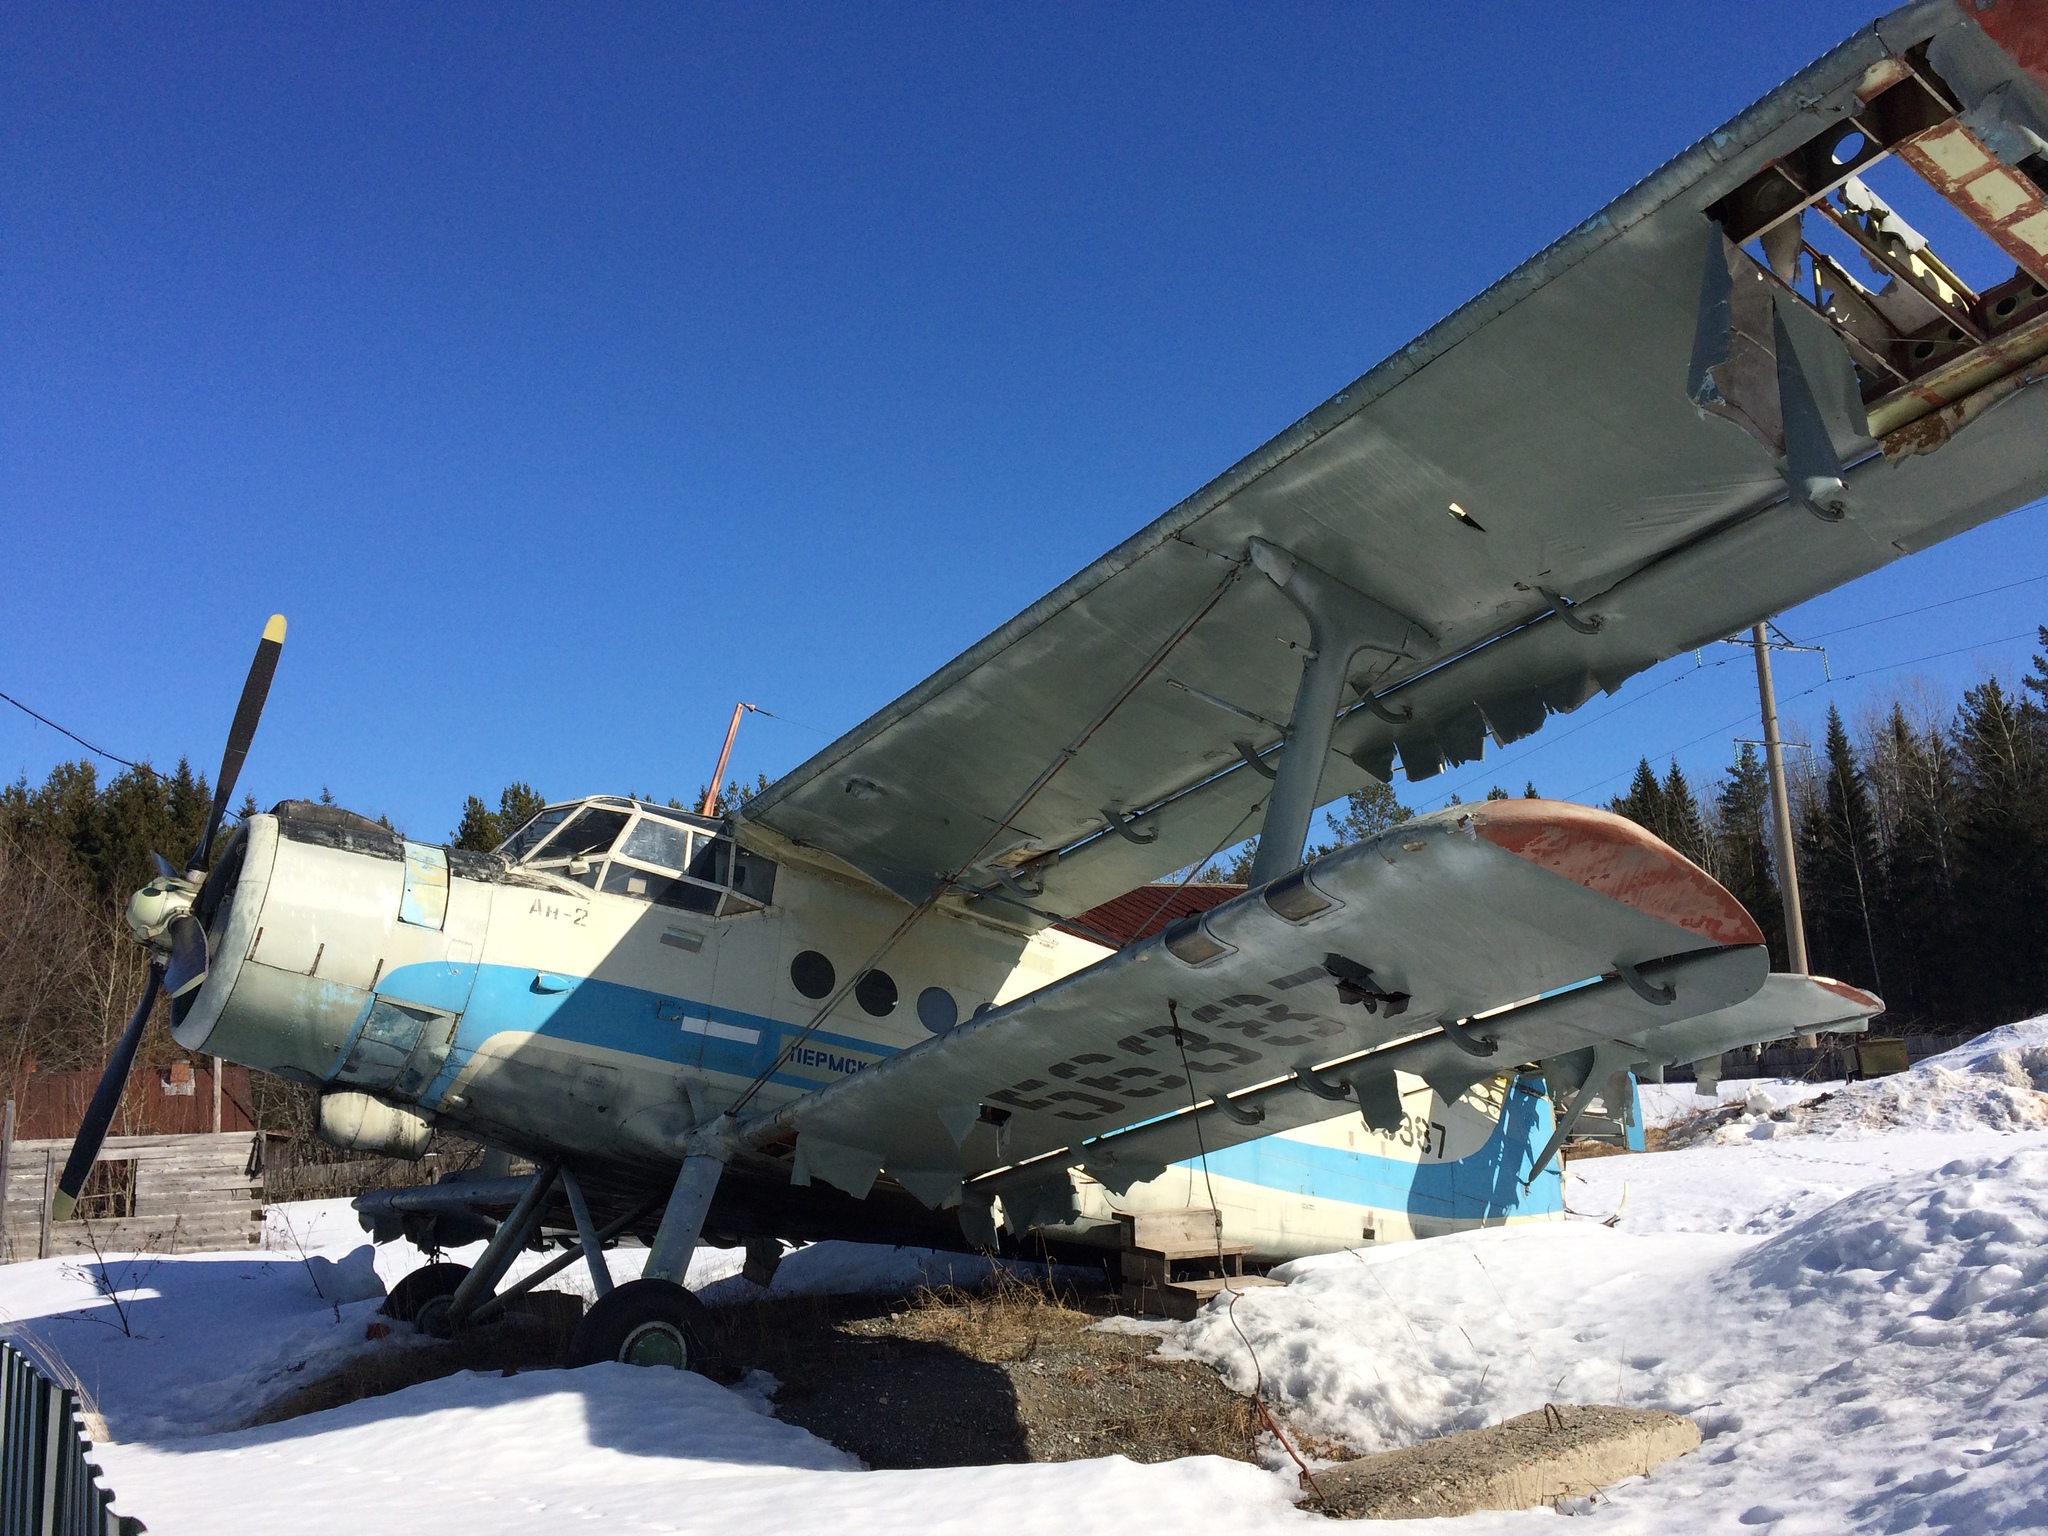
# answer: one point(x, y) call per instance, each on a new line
point(1555, 1453)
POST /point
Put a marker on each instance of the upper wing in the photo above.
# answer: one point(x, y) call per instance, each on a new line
point(1562, 410)
point(1453, 916)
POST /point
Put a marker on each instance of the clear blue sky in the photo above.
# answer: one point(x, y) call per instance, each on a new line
point(566, 373)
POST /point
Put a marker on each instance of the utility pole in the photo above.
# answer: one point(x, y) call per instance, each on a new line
point(1781, 814)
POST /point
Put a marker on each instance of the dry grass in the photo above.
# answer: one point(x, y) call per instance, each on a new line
point(1009, 1372)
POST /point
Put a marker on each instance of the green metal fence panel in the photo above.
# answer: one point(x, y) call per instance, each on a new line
point(47, 1486)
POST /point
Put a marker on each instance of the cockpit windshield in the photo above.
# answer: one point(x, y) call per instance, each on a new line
point(520, 843)
point(590, 831)
point(652, 853)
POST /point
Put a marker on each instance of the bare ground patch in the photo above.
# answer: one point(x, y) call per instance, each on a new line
point(1014, 1374)
point(946, 1378)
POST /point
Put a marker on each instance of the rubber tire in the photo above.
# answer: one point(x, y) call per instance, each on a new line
point(422, 1286)
point(645, 1322)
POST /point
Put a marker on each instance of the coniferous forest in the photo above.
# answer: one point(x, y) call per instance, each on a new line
point(1921, 839)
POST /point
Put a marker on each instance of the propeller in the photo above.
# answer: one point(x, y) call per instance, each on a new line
point(242, 731)
point(160, 915)
point(106, 1098)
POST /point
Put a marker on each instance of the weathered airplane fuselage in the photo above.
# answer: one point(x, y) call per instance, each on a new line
point(600, 1006)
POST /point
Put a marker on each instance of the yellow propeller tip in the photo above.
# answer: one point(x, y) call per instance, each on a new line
point(274, 630)
point(61, 1206)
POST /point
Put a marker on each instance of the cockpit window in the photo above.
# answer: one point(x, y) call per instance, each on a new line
point(713, 862)
point(646, 852)
point(622, 879)
point(754, 877)
point(654, 841)
point(515, 847)
point(589, 832)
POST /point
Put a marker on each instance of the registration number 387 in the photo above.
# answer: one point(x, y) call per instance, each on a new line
point(1431, 1136)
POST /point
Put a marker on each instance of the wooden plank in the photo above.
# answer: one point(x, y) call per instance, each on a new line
point(1187, 1231)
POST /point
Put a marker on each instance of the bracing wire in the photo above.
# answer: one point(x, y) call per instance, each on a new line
point(1230, 1311)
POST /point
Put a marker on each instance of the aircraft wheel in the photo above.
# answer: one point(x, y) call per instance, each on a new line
point(413, 1295)
point(645, 1322)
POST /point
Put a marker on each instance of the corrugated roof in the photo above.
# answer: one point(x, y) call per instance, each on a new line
point(1141, 913)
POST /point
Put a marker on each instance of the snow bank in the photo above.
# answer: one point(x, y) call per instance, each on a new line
point(1996, 1082)
point(163, 1347)
point(1665, 1105)
point(1878, 1365)
point(1853, 1302)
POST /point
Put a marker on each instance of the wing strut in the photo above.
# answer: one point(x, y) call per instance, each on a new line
point(1342, 621)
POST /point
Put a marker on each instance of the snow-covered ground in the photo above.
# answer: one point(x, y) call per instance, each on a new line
point(1846, 1286)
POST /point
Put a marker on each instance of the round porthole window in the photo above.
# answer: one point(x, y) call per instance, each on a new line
point(876, 993)
point(812, 974)
point(936, 1010)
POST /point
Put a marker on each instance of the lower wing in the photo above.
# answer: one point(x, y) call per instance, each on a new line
point(1456, 946)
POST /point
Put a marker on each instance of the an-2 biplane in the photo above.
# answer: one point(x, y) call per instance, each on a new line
point(856, 1008)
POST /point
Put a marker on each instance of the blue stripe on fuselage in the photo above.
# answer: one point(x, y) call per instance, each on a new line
point(1486, 1184)
point(503, 999)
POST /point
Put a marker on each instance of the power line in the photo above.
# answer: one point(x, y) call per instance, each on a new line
point(1847, 677)
point(1492, 770)
point(53, 725)
point(1947, 602)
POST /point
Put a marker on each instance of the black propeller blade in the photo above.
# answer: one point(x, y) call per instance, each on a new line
point(242, 731)
point(185, 969)
point(106, 1098)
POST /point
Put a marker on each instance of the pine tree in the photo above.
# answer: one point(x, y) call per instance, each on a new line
point(1920, 952)
point(2036, 681)
point(518, 803)
point(2001, 881)
point(1838, 885)
point(478, 829)
point(1644, 802)
point(1684, 827)
point(1367, 813)
point(1743, 858)
point(482, 829)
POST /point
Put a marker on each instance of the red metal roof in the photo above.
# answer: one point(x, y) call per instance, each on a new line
point(1141, 913)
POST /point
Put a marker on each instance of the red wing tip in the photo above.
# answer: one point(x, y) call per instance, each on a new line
point(1614, 857)
point(1869, 1002)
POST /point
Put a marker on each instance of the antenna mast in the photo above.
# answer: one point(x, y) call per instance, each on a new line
point(724, 756)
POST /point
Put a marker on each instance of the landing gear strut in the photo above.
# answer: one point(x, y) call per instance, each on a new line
point(654, 1320)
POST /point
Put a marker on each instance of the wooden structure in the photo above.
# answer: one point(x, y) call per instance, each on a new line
point(1173, 1261)
point(177, 1100)
point(160, 1194)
